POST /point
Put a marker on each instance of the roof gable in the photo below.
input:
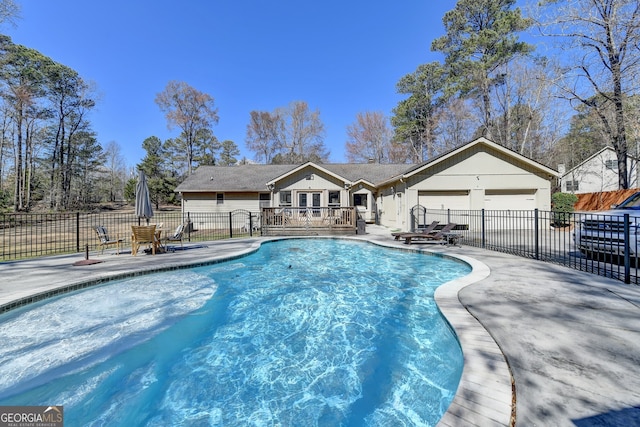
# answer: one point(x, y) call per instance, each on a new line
point(489, 144)
point(608, 150)
point(302, 167)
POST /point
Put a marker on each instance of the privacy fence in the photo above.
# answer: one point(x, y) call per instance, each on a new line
point(603, 245)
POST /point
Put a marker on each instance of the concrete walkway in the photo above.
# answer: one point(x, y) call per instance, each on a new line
point(569, 340)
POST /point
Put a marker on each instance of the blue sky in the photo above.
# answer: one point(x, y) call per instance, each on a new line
point(341, 57)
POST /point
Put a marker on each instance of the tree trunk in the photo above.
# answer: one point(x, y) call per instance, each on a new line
point(620, 139)
point(18, 189)
point(486, 103)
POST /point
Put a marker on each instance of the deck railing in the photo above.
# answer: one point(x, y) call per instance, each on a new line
point(313, 220)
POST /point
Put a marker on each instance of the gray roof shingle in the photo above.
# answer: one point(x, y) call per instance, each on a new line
point(253, 177)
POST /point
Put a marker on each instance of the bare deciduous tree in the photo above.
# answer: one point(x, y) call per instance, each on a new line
point(263, 135)
point(530, 118)
point(304, 134)
point(600, 40)
point(456, 124)
point(9, 12)
point(289, 135)
point(369, 138)
point(190, 110)
point(116, 168)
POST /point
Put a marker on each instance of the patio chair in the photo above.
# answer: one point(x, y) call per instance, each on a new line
point(144, 235)
point(176, 237)
point(441, 236)
point(427, 230)
point(106, 240)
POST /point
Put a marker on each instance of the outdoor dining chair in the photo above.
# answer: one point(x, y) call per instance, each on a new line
point(106, 240)
point(144, 235)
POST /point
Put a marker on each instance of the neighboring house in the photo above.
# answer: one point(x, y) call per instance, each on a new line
point(480, 174)
point(597, 173)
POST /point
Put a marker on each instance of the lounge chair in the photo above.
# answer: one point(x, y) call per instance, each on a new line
point(106, 240)
point(427, 230)
point(144, 235)
point(176, 237)
point(441, 236)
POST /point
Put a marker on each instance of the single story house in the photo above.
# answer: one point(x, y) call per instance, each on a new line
point(480, 174)
point(597, 173)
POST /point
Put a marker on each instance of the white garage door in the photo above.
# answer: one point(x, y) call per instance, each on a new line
point(503, 200)
point(454, 200)
point(509, 209)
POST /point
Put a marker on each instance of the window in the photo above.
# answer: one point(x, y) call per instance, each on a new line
point(611, 164)
point(220, 198)
point(334, 199)
point(572, 186)
point(360, 200)
point(285, 198)
point(265, 200)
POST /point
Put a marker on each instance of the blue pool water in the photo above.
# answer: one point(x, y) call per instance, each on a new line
point(303, 332)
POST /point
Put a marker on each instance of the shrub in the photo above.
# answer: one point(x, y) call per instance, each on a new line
point(561, 208)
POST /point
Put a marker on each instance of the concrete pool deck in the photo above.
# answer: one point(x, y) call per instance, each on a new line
point(570, 340)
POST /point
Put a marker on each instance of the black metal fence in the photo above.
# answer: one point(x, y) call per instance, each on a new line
point(606, 245)
point(24, 235)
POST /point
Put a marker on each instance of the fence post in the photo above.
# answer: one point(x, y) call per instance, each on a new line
point(78, 232)
point(627, 246)
point(189, 226)
point(250, 225)
point(483, 228)
point(230, 226)
point(536, 229)
point(448, 216)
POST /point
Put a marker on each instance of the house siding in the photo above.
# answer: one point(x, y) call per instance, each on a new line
point(207, 202)
point(475, 176)
point(310, 180)
point(318, 181)
point(391, 207)
point(593, 175)
point(464, 182)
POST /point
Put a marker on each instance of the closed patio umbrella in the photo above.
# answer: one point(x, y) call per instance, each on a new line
point(143, 200)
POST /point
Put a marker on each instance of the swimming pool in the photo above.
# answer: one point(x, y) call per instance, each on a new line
point(324, 332)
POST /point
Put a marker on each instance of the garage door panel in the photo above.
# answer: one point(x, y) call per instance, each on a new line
point(454, 200)
point(510, 200)
point(509, 209)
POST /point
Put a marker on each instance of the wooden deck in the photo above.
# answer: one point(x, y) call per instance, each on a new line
point(314, 221)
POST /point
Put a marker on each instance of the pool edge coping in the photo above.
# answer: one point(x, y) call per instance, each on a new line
point(486, 392)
